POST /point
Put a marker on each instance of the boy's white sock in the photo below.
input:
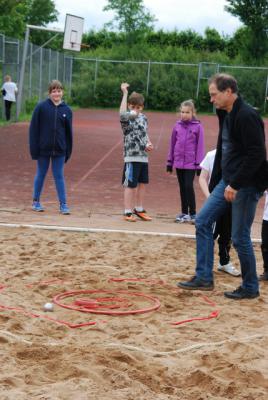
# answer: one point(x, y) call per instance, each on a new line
point(139, 208)
point(128, 211)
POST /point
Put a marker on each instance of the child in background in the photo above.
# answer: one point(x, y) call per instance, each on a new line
point(223, 226)
point(9, 92)
point(136, 147)
point(264, 241)
point(51, 139)
point(185, 154)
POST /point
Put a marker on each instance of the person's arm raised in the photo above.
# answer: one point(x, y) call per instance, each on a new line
point(123, 106)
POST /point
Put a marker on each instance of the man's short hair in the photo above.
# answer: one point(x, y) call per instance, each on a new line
point(223, 82)
point(55, 84)
point(136, 99)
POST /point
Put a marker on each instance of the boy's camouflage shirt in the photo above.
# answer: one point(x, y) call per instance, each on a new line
point(135, 137)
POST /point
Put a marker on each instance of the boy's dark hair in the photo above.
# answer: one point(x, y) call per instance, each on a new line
point(136, 99)
point(223, 82)
point(54, 84)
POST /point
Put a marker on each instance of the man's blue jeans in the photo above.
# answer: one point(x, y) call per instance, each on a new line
point(243, 212)
point(57, 170)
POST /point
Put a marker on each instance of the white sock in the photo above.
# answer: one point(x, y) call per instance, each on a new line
point(128, 211)
point(139, 208)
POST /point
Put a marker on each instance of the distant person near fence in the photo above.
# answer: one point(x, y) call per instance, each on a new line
point(9, 92)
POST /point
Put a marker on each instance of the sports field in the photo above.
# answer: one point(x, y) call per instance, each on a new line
point(120, 329)
point(93, 175)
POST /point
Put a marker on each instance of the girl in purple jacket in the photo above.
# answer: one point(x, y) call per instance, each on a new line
point(185, 154)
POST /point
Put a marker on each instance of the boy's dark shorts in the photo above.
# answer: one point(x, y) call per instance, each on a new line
point(135, 173)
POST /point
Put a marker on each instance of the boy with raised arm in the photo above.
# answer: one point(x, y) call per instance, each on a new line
point(136, 147)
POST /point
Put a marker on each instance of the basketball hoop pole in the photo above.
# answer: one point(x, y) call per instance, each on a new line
point(23, 62)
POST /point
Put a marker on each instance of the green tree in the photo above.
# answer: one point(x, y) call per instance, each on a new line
point(131, 17)
point(254, 15)
point(213, 41)
point(16, 14)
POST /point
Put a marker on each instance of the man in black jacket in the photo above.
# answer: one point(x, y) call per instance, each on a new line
point(237, 179)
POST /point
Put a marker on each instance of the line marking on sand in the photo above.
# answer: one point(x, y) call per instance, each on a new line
point(184, 349)
point(103, 230)
point(96, 165)
point(17, 337)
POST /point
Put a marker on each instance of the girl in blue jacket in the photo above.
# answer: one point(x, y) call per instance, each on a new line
point(185, 154)
point(51, 139)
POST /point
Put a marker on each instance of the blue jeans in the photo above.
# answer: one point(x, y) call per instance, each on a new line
point(243, 212)
point(57, 170)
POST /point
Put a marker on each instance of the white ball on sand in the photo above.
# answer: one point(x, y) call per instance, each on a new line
point(48, 307)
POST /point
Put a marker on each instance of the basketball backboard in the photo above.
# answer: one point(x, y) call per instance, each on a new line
point(73, 32)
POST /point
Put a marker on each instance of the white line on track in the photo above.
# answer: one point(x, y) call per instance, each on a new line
point(103, 230)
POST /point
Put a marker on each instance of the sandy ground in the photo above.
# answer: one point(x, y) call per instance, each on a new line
point(140, 356)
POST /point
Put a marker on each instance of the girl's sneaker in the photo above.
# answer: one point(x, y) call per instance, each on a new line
point(36, 206)
point(130, 217)
point(64, 209)
point(183, 218)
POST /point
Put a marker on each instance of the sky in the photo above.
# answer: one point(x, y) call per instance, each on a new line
point(170, 14)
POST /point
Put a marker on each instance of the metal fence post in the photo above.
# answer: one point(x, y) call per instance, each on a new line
point(148, 77)
point(40, 73)
point(266, 94)
point(95, 78)
point(49, 65)
point(22, 70)
point(198, 80)
point(30, 69)
point(57, 69)
point(70, 77)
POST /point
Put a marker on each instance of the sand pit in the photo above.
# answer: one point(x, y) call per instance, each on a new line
point(126, 357)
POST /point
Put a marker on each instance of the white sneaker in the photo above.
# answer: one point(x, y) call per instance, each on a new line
point(183, 218)
point(229, 268)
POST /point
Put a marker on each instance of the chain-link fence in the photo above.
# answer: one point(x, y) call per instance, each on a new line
point(166, 85)
point(42, 65)
point(96, 82)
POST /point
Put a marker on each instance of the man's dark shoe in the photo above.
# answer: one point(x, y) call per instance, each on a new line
point(264, 276)
point(196, 284)
point(240, 294)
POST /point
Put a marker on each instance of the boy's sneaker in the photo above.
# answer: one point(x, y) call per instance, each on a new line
point(36, 206)
point(229, 268)
point(64, 209)
point(182, 218)
point(142, 215)
point(129, 217)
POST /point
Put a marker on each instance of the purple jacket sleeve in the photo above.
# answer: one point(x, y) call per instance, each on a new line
point(200, 151)
point(170, 159)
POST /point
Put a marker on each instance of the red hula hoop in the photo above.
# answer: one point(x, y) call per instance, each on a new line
point(57, 300)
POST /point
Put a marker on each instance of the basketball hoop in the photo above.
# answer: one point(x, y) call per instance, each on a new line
point(73, 32)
